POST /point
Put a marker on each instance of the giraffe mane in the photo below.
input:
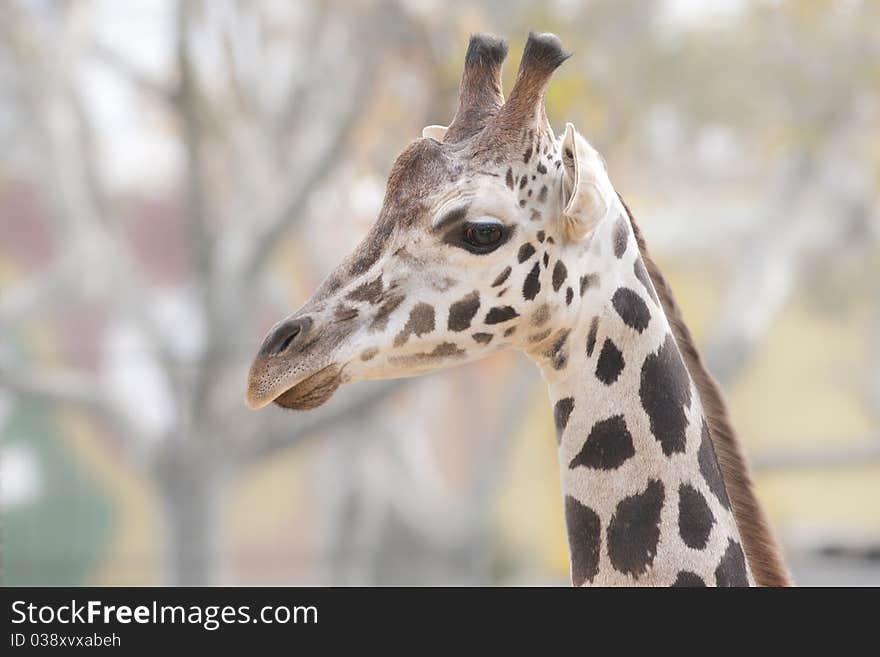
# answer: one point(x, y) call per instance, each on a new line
point(762, 549)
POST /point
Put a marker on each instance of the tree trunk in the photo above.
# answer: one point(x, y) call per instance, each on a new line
point(190, 489)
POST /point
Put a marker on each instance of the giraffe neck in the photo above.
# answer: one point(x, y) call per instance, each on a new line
point(644, 499)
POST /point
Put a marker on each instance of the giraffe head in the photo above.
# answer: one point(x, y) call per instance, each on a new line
point(468, 254)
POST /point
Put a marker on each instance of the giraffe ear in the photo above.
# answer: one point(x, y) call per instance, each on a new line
point(435, 132)
point(588, 191)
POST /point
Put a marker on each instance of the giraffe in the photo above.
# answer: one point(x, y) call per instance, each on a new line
point(496, 234)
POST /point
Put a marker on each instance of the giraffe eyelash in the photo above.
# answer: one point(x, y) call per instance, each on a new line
point(479, 236)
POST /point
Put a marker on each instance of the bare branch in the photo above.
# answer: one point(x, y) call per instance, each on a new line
point(298, 93)
point(188, 100)
point(70, 181)
point(64, 387)
point(59, 386)
point(127, 71)
point(316, 422)
point(193, 111)
point(292, 209)
point(36, 292)
point(89, 155)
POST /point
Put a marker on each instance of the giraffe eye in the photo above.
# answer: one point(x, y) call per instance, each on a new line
point(483, 237)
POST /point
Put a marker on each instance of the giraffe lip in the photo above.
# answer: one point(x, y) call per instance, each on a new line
point(302, 393)
point(313, 391)
point(308, 393)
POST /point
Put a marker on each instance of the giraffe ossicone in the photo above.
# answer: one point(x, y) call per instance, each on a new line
point(496, 234)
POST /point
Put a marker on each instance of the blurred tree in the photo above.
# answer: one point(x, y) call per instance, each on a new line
point(255, 149)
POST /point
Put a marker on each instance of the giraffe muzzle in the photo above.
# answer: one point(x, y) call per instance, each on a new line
point(289, 368)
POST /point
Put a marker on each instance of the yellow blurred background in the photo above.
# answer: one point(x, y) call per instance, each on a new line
point(176, 176)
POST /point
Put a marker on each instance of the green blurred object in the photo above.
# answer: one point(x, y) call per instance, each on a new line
point(57, 538)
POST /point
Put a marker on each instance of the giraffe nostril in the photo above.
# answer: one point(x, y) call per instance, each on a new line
point(285, 336)
point(290, 338)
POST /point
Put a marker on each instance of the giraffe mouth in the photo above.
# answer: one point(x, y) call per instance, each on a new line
point(312, 391)
point(305, 394)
